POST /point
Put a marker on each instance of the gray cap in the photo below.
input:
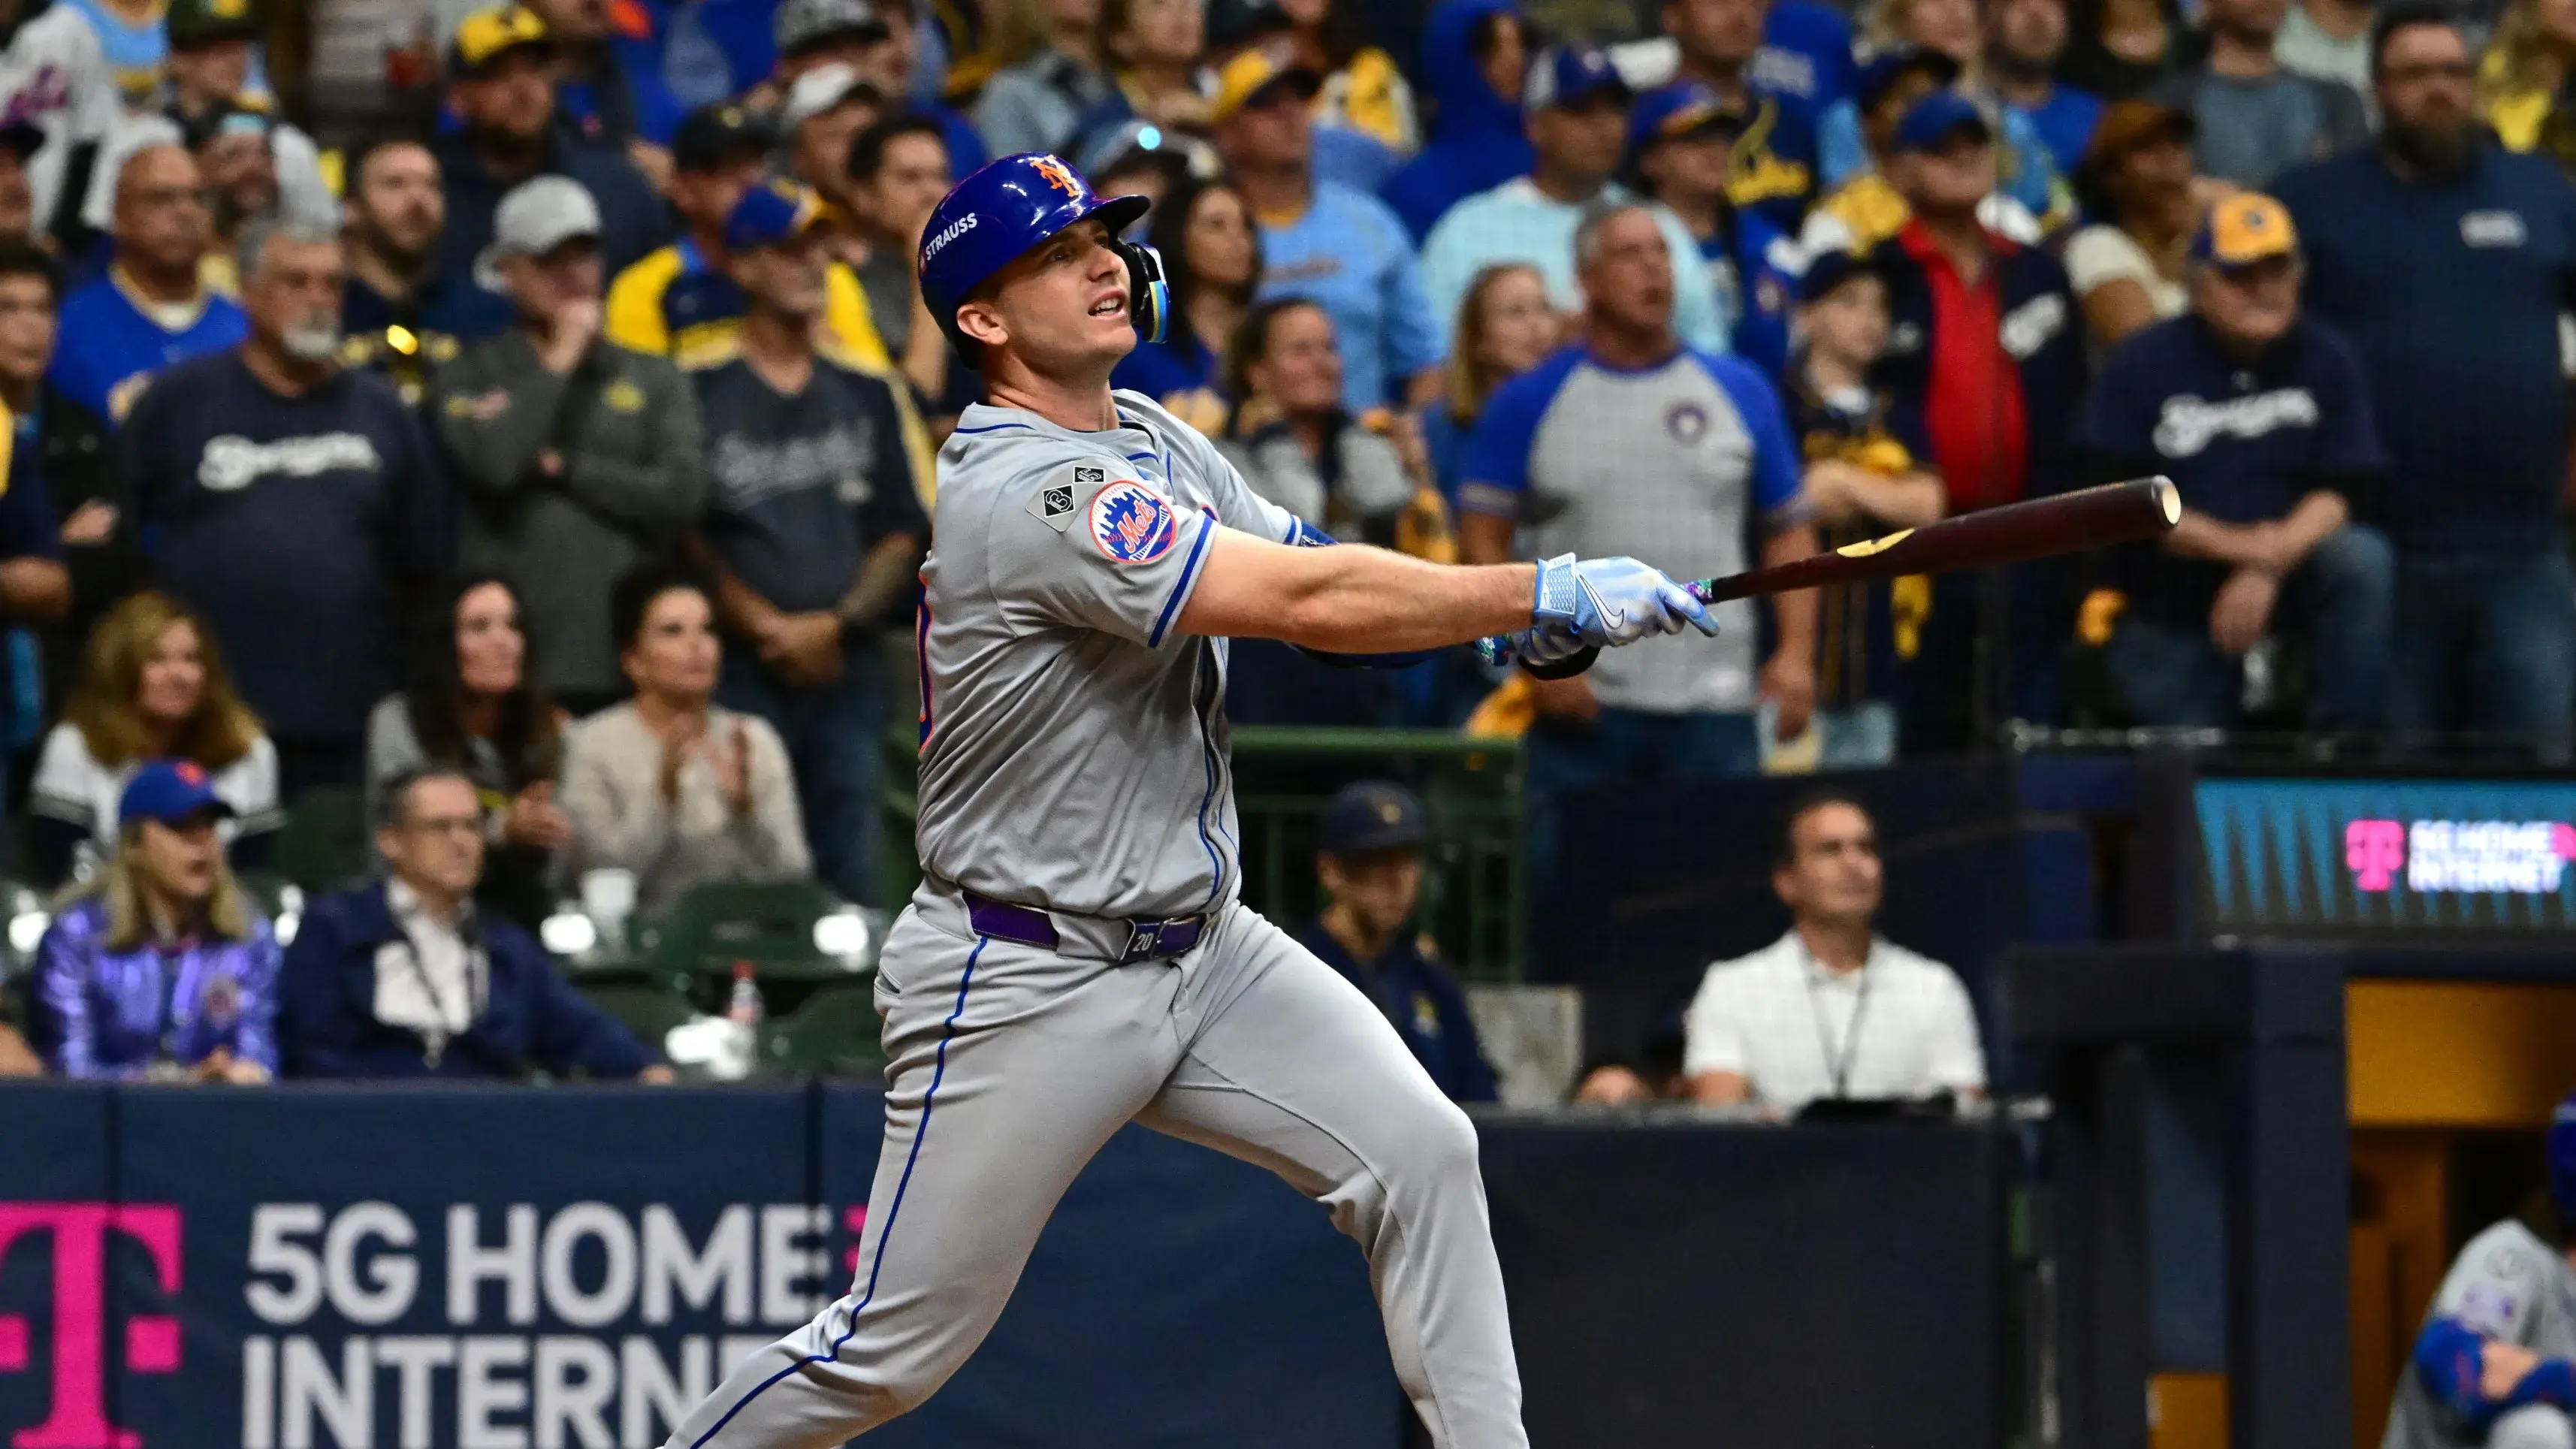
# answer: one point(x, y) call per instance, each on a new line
point(819, 90)
point(537, 216)
point(800, 23)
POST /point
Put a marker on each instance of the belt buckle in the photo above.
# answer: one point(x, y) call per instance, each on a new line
point(1144, 941)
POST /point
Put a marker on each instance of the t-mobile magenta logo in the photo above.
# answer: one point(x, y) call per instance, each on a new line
point(80, 1230)
point(2376, 852)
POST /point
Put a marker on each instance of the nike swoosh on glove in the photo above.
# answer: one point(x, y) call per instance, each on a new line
point(1612, 601)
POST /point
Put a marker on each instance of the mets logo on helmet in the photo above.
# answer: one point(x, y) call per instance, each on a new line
point(1132, 523)
point(1059, 175)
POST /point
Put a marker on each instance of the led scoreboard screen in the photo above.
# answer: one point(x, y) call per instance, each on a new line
point(2354, 857)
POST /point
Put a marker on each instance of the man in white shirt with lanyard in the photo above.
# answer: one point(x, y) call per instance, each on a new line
point(1830, 1009)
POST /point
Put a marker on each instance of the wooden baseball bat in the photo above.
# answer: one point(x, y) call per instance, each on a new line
point(2114, 513)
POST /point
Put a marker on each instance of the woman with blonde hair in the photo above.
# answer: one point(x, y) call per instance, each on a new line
point(152, 687)
point(158, 967)
point(1504, 328)
point(2526, 69)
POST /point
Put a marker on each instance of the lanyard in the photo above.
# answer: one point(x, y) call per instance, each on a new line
point(437, 1035)
point(1838, 1063)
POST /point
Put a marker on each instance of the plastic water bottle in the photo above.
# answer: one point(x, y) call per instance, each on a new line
point(744, 1007)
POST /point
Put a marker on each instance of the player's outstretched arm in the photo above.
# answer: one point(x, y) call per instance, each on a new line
point(1352, 599)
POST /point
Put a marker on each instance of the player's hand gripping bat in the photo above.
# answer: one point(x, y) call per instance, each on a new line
point(2141, 508)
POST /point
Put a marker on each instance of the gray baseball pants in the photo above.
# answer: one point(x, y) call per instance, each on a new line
point(1012, 1065)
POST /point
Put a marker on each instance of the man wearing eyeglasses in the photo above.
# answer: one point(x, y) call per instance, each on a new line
point(152, 308)
point(2447, 260)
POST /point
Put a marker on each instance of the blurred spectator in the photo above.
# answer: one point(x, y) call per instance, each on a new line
point(66, 446)
point(1719, 43)
point(2115, 49)
point(1142, 159)
point(2127, 266)
point(669, 785)
point(1986, 344)
point(62, 99)
point(403, 317)
point(1630, 443)
point(405, 978)
point(1057, 76)
point(895, 66)
point(678, 302)
point(501, 84)
point(2262, 419)
point(159, 967)
point(1832, 1009)
point(814, 521)
point(825, 111)
point(2024, 41)
point(1505, 328)
point(1868, 207)
point(608, 77)
point(574, 457)
point(2524, 72)
point(2495, 1363)
point(2446, 258)
point(1324, 240)
point(136, 42)
point(1578, 125)
point(154, 688)
point(812, 35)
point(882, 42)
point(212, 46)
point(1368, 861)
point(474, 706)
point(1939, 40)
point(898, 172)
point(231, 147)
point(151, 308)
point(293, 503)
point(1474, 58)
point(2255, 118)
point(1290, 437)
point(1155, 45)
point(1364, 91)
point(1865, 476)
point(2327, 40)
point(1212, 262)
point(17, 1059)
point(1681, 145)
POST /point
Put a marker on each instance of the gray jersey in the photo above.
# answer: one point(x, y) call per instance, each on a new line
point(2506, 1284)
point(1073, 740)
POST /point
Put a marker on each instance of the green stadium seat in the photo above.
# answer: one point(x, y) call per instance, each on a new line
point(323, 844)
point(650, 1004)
point(770, 924)
point(835, 1033)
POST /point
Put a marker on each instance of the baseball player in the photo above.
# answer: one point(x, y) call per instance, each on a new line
point(1076, 957)
point(2496, 1362)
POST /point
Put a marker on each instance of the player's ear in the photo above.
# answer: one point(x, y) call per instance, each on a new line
point(982, 322)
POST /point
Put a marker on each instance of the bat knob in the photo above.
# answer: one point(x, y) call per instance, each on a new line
point(1566, 668)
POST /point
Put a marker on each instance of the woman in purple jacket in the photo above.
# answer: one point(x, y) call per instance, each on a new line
point(159, 967)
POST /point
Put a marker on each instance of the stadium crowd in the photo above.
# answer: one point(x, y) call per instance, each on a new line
point(575, 444)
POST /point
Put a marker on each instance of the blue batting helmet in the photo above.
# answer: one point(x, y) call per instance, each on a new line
point(1011, 205)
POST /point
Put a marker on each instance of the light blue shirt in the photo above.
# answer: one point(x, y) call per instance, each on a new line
point(1516, 222)
point(2029, 174)
point(1352, 257)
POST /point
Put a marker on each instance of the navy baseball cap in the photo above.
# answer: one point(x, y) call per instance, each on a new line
point(171, 792)
point(711, 137)
point(1829, 270)
point(1890, 66)
point(1938, 117)
point(771, 213)
point(1677, 113)
point(1371, 815)
point(1569, 75)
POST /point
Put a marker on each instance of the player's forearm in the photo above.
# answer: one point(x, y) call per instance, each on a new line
point(1353, 599)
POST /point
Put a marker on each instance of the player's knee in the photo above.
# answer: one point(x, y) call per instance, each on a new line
point(2533, 1426)
point(1440, 1142)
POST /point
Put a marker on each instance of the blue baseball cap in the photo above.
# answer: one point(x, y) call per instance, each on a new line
point(1936, 118)
point(1569, 75)
point(171, 792)
point(771, 213)
point(1676, 113)
point(1371, 815)
point(1892, 65)
point(1829, 270)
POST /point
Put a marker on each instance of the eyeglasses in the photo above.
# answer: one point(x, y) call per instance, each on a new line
point(2457, 70)
point(447, 825)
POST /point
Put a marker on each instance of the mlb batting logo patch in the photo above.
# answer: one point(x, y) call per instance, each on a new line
point(1132, 523)
point(1082, 474)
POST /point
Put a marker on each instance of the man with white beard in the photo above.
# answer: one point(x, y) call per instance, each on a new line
point(292, 502)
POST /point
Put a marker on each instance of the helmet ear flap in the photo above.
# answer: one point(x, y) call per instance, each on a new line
point(1149, 293)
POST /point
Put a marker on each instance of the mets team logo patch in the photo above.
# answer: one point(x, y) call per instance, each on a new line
point(1132, 523)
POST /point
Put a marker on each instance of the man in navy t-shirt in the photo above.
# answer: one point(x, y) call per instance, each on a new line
point(2447, 260)
point(292, 502)
point(2262, 418)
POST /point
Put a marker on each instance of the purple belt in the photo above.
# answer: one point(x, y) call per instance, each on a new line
point(1147, 940)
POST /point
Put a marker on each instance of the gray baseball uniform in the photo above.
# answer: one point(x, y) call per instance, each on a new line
point(1074, 763)
point(2506, 1284)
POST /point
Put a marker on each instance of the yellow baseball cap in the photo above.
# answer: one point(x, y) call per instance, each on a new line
point(486, 34)
point(2246, 228)
point(1256, 69)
